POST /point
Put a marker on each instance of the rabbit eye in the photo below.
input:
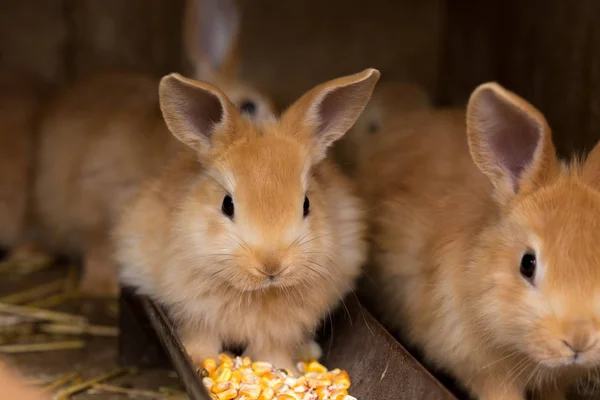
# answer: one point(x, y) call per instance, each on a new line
point(248, 107)
point(528, 264)
point(227, 206)
point(306, 206)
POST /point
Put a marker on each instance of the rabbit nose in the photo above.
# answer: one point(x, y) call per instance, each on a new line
point(271, 269)
point(581, 337)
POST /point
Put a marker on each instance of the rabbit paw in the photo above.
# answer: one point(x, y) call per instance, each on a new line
point(309, 351)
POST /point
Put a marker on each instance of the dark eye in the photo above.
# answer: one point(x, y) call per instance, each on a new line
point(227, 206)
point(306, 206)
point(248, 107)
point(528, 263)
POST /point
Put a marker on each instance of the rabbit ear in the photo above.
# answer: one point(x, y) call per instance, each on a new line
point(328, 111)
point(196, 112)
point(591, 168)
point(510, 141)
point(211, 33)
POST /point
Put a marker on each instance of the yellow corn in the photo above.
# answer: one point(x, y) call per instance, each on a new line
point(251, 391)
point(285, 397)
point(267, 394)
point(236, 376)
point(209, 365)
point(314, 366)
point(225, 359)
point(220, 387)
point(241, 379)
point(261, 367)
point(222, 374)
point(208, 383)
point(228, 394)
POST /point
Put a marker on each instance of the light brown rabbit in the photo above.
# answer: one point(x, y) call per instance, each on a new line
point(253, 236)
point(105, 135)
point(485, 250)
point(391, 102)
point(20, 102)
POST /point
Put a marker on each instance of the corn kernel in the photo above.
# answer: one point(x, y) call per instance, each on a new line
point(241, 379)
point(225, 359)
point(318, 383)
point(236, 376)
point(250, 378)
point(293, 394)
point(315, 366)
point(208, 383)
point(342, 381)
point(281, 388)
point(338, 394)
point(222, 374)
point(220, 387)
point(267, 394)
point(261, 367)
point(250, 391)
point(209, 365)
point(228, 394)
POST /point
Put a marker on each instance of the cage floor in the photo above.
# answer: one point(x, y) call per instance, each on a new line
point(98, 355)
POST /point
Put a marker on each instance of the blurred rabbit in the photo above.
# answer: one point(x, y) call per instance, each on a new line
point(105, 135)
point(390, 103)
point(20, 103)
point(485, 246)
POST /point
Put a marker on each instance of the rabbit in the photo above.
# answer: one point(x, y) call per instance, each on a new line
point(102, 137)
point(391, 101)
point(20, 102)
point(484, 247)
point(254, 235)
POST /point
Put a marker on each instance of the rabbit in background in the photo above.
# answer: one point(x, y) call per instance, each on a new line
point(21, 101)
point(103, 136)
point(484, 246)
point(390, 104)
point(253, 235)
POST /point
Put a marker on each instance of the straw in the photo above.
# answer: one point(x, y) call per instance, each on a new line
point(148, 394)
point(69, 391)
point(52, 301)
point(60, 382)
point(41, 347)
point(33, 293)
point(41, 314)
point(93, 330)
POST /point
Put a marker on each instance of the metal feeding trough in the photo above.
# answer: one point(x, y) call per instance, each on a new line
point(380, 368)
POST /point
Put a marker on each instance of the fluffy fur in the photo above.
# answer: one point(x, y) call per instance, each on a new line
point(452, 219)
point(104, 135)
point(390, 101)
point(265, 277)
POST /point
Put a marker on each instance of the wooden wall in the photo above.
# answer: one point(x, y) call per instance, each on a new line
point(59, 40)
point(286, 46)
point(545, 50)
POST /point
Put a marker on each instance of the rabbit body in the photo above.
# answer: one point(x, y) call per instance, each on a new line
point(484, 249)
point(253, 237)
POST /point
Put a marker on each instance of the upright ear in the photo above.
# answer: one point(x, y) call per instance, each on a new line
point(510, 141)
point(591, 168)
point(210, 36)
point(196, 113)
point(325, 113)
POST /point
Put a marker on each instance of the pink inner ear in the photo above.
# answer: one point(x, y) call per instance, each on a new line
point(201, 109)
point(512, 135)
